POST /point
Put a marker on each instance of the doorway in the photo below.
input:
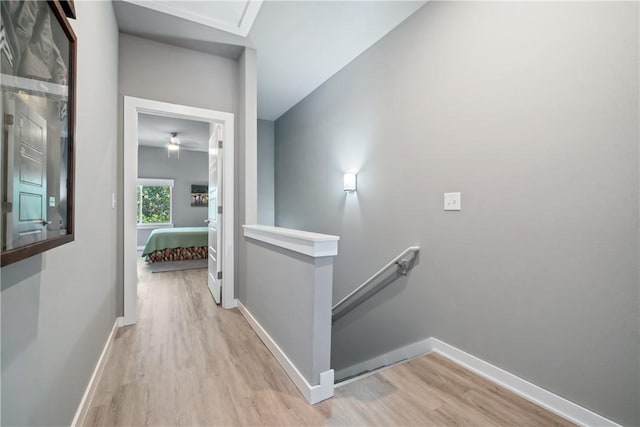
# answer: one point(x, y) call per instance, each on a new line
point(221, 141)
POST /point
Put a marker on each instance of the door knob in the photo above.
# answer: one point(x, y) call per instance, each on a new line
point(207, 221)
point(45, 222)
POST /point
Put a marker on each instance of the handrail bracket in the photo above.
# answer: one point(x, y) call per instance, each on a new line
point(403, 266)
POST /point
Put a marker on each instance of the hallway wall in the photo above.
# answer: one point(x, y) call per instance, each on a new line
point(531, 111)
point(161, 72)
point(246, 190)
point(59, 307)
point(266, 163)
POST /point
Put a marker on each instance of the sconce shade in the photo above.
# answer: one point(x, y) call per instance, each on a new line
point(349, 182)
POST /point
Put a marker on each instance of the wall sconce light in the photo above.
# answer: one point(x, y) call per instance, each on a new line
point(349, 182)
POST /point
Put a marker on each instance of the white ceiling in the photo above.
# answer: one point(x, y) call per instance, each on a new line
point(235, 16)
point(300, 44)
point(155, 131)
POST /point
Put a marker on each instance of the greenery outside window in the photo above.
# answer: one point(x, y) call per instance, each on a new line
point(155, 202)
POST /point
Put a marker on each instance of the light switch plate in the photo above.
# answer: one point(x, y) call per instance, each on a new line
point(52, 202)
point(452, 201)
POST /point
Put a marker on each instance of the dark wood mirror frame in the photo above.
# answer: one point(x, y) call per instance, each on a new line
point(11, 256)
point(69, 8)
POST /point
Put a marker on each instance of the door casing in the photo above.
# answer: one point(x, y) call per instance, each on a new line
point(132, 107)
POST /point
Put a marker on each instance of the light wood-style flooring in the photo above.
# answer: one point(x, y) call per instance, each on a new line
point(189, 362)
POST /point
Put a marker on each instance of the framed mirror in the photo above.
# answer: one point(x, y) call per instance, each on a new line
point(37, 108)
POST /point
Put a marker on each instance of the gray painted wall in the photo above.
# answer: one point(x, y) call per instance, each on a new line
point(266, 163)
point(190, 168)
point(59, 307)
point(531, 111)
point(157, 71)
point(289, 294)
point(247, 120)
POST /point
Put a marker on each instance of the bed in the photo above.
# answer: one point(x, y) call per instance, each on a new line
point(176, 244)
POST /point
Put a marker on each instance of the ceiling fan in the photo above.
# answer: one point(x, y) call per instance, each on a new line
point(175, 144)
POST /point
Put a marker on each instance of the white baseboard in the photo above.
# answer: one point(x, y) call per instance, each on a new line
point(392, 358)
point(313, 394)
point(548, 400)
point(88, 393)
point(544, 398)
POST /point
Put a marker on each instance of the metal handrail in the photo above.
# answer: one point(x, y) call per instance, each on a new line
point(398, 261)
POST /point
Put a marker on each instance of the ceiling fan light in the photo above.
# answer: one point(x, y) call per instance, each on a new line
point(173, 147)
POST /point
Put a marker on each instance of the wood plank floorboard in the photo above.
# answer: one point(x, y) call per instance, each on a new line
point(188, 362)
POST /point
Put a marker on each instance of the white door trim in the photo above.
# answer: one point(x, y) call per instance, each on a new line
point(133, 106)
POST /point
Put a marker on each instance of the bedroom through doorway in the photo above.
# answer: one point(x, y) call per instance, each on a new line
point(177, 183)
point(178, 197)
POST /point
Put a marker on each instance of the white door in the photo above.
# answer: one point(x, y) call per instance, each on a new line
point(214, 217)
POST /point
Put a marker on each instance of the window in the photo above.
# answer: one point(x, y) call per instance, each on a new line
point(154, 202)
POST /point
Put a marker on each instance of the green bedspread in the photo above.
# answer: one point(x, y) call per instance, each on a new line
point(181, 237)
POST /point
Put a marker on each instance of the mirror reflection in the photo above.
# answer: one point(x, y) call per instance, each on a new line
point(35, 111)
